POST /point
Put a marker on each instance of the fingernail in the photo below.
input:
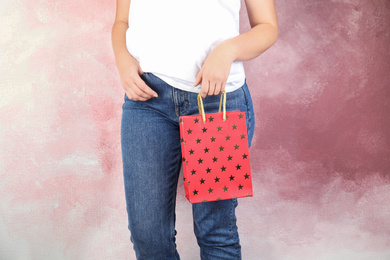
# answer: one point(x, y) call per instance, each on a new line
point(155, 95)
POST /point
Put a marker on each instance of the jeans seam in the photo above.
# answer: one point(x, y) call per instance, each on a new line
point(247, 111)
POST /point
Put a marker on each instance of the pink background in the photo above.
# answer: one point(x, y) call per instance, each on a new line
point(320, 155)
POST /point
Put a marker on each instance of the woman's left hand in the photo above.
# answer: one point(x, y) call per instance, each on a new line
point(215, 70)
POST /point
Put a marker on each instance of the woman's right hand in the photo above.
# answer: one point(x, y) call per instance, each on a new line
point(129, 73)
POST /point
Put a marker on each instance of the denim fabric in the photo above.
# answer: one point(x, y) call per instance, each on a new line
point(151, 155)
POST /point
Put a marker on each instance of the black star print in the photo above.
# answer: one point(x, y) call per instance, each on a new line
point(196, 120)
point(240, 187)
point(246, 176)
point(195, 192)
point(219, 128)
point(240, 116)
point(211, 119)
point(184, 159)
point(244, 156)
point(200, 161)
point(184, 179)
point(212, 139)
point(221, 148)
point(208, 170)
point(202, 181)
point(227, 137)
point(234, 127)
point(223, 168)
point(219, 199)
point(206, 150)
point(191, 151)
point(198, 141)
point(215, 159)
point(230, 158)
point(189, 131)
point(180, 120)
point(249, 195)
point(204, 200)
point(238, 167)
point(210, 190)
point(182, 140)
point(233, 197)
point(231, 178)
point(225, 188)
point(216, 179)
point(193, 172)
point(236, 147)
point(242, 136)
point(204, 129)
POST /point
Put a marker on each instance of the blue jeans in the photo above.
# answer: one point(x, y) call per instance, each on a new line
point(151, 156)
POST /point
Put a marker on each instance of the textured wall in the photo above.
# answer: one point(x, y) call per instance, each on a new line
point(320, 155)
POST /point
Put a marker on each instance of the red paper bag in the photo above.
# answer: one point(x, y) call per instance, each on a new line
point(215, 155)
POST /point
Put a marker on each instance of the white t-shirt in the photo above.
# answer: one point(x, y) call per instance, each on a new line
point(172, 38)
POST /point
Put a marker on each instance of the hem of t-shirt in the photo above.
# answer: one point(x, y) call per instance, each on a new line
point(186, 86)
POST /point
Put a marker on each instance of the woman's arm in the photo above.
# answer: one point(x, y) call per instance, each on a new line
point(246, 46)
point(128, 67)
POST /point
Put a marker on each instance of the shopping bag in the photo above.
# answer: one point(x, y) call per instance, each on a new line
point(215, 155)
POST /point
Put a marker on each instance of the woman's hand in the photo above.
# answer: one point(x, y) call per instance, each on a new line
point(215, 70)
point(129, 73)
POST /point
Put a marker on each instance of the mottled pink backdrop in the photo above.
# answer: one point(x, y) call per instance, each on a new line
point(320, 155)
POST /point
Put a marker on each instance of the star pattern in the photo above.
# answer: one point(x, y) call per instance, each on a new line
point(216, 157)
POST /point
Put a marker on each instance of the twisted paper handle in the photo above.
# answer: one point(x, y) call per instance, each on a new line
point(201, 108)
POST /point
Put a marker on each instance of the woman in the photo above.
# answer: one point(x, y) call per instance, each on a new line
point(166, 53)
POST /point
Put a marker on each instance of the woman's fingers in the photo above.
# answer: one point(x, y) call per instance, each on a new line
point(211, 88)
point(204, 88)
point(137, 90)
point(145, 90)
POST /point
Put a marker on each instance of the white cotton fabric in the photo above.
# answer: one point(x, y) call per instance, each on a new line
point(172, 38)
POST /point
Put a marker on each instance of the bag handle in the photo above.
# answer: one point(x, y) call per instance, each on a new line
point(201, 108)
